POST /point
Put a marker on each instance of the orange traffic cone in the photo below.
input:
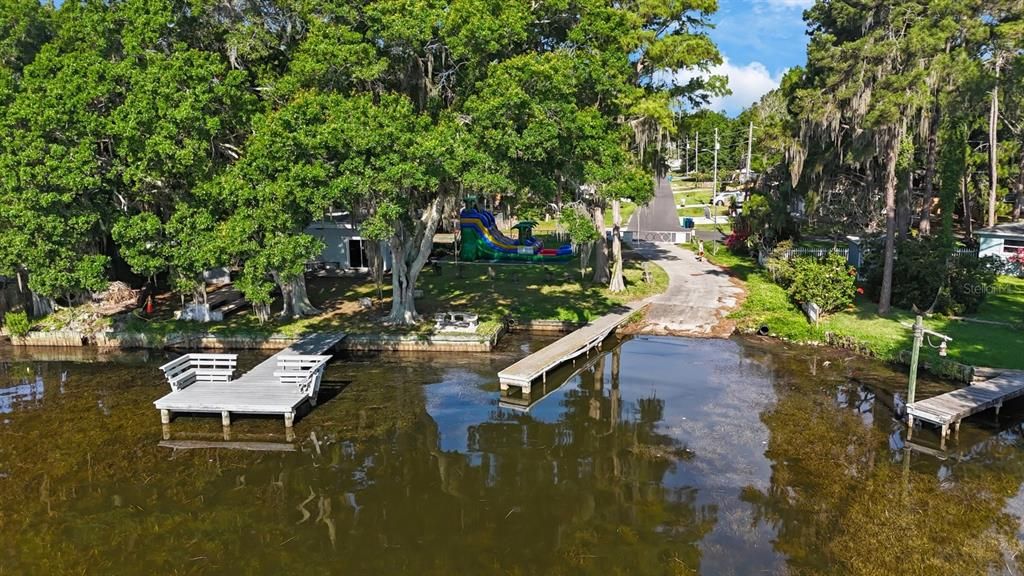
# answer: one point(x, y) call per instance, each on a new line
point(149, 305)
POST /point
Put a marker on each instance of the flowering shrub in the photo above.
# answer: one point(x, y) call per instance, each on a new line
point(737, 242)
point(1015, 263)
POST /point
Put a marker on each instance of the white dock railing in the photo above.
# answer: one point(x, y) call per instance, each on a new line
point(191, 368)
point(303, 372)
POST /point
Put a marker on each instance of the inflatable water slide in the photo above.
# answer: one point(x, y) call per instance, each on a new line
point(481, 240)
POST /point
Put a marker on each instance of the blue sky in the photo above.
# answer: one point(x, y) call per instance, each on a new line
point(760, 40)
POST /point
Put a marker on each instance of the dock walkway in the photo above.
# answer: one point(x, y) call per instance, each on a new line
point(948, 410)
point(259, 391)
point(524, 373)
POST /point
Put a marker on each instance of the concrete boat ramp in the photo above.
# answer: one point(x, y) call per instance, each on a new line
point(205, 383)
point(523, 374)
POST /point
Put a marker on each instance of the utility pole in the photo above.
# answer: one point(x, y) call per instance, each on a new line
point(686, 155)
point(714, 185)
point(750, 148)
point(696, 153)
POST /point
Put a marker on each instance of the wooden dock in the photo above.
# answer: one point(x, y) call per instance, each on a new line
point(272, 387)
point(525, 372)
point(545, 388)
point(947, 410)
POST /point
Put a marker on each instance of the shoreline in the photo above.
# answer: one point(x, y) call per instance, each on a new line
point(437, 343)
point(355, 342)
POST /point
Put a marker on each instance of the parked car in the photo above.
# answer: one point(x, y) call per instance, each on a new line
point(725, 198)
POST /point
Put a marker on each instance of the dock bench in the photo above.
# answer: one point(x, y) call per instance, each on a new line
point(191, 368)
point(205, 383)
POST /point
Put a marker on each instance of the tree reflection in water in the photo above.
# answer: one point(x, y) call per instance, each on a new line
point(844, 502)
point(636, 466)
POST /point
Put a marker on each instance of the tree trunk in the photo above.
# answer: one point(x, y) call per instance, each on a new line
point(993, 153)
point(617, 283)
point(601, 275)
point(301, 306)
point(903, 196)
point(373, 253)
point(262, 312)
point(42, 306)
point(200, 304)
point(585, 250)
point(967, 223)
point(885, 301)
point(1018, 202)
point(409, 252)
point(294, 299)
point(931, 159)
point(287, 311)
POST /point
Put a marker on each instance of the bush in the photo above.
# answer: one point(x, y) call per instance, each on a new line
point(970, 281)
point(778, 264)
point(925, 274)
point(737, 243)
point(17, 324)
point(830, 282)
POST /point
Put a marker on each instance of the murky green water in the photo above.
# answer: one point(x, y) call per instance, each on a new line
point(659, 456)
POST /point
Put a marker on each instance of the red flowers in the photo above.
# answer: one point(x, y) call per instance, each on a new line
point(860, 290)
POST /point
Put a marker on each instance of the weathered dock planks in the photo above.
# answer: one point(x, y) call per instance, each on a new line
point(262, 390)
point(947, 410)
point(523, 373)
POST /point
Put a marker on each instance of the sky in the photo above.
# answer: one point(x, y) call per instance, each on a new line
point(759, 40)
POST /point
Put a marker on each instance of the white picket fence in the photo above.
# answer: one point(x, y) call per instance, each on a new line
point(845, 253)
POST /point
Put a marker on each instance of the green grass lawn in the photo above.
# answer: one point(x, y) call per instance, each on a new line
point(1005, 303)
point(699, 211)
point(522, 291)
point(691, 195)
point(626, 208)
point(768, 304)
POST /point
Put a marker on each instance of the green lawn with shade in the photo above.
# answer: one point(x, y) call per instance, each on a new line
point(974, 343)
point(520, 291)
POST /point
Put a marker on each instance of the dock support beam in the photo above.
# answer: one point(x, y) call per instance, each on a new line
point(910, 427)
point(225, 418)
point(289, 419)
point(165, 416)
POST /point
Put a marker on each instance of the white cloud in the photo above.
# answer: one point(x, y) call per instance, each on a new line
point(748, 83)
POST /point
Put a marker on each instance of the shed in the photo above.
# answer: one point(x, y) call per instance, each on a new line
point(1003, 240)
point(343, 246)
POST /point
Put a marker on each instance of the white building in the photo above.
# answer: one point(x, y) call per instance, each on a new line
point(344, 248)
point(1003, 240)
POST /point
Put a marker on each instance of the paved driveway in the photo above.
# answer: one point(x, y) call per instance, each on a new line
point(698, 298)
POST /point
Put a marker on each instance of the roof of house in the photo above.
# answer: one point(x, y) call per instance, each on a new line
point(1015, 229)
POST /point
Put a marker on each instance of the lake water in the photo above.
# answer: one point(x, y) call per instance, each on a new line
point(657, 456)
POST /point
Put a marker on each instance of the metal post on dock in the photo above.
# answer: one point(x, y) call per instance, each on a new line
point(914, 355)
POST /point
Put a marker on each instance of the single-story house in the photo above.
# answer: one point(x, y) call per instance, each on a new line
point(343, 246)
point(1003, 240)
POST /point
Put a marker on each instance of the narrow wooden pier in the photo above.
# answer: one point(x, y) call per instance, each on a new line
point(947, 410)
point(279, 385)
point(536, 366)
